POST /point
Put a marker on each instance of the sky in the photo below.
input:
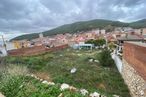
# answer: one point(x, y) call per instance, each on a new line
point(19, 17)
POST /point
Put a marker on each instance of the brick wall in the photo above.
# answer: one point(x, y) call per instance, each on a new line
point(134, 68)
point(135, 55)
point(34, 50)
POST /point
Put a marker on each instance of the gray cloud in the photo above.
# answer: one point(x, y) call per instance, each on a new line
point(26, 16)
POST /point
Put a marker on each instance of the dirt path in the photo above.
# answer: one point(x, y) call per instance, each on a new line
point(43, 75)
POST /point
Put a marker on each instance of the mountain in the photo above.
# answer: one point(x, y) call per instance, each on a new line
point(84, 26)
point(139, 24)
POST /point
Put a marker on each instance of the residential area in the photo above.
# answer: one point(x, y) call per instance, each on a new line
point(116, 37)
point(72, 48)
point(121, 42)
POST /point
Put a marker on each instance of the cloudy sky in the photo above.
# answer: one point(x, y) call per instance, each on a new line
point(27, 16)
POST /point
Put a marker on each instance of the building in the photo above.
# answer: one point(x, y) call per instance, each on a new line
point(20, 44)
point(144, 31)
point(82, 45)
point(123, 29)
point(132, 37)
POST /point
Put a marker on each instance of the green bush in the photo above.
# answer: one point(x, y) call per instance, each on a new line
point(105, 58)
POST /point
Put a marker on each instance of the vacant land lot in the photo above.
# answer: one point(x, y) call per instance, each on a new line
point(56, 67)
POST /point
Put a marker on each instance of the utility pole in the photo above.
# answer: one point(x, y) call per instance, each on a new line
point(4, 44)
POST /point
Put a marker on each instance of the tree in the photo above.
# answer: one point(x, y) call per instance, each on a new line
point(101, 42)
point(111, 46)
point(105, 58)
point(98, 42)
point(92, 41)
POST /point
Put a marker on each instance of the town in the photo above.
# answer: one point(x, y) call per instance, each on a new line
point(72, 48)
point(116, 37)
point(127, 47)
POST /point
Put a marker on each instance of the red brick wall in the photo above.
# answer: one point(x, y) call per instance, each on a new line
point(34, 50)
point(135, 55)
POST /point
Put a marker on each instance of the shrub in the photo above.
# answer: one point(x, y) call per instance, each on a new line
point(11, 79)
point(112, 46)
point(105, 58)
point(10, 86)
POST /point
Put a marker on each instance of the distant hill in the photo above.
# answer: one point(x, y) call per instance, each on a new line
point(138, 24)
point(84, 26)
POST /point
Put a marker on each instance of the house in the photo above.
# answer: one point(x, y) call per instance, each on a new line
point(138, 31)
point(36, 42)
point(102, 31)
point(96, 31)
point(132, 37)
point(20, 44)
point(144, 30)
point(144, 36)
point(141, 31)
point(111, 38)
point(123, 29)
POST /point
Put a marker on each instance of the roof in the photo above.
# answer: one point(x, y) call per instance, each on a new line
point(131, 37)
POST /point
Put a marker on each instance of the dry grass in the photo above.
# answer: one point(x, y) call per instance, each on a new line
point(17, 70)
point(43, 75)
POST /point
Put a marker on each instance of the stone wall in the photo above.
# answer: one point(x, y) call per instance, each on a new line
point(135, 82)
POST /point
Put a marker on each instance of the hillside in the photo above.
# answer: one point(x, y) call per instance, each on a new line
point(84, 26)
point(139, 24)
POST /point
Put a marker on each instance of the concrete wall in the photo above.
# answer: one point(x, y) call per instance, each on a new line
point(134, 68)
point(118, 62)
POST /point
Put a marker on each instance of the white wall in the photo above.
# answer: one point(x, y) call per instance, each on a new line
point(118, 62)
point(10, 46)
